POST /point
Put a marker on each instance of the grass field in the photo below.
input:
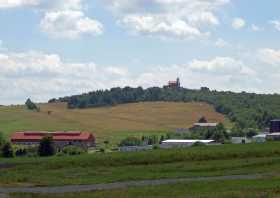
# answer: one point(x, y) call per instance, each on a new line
point(261, 188)
point(156, 164)
point(110, 123)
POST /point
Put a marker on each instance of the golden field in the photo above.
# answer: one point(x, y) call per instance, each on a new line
point(110, 123)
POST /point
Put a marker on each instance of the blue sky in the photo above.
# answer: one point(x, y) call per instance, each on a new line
point(52, 48)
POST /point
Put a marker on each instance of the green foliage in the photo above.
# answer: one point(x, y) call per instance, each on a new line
point(31, 105)
point(21, 152)
point(218, 134)
point(202, 120)
point(2, 139)
point(7, 150)
point(46, 147)
point(248, 110)
point(72, 150)
point(198, 144)
point(131, 141)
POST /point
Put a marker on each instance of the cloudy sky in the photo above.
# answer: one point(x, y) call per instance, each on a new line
point(52, 48)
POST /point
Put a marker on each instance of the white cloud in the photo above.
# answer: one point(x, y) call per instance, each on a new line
point(220, 65)
point(238, 23)
point(42, 4)
point(270, 56)
point(43, 76)
point(17, 3)
point(221, 43)
point(153, 24)
point(69, 24)
point(276, 24)
point(62, 18)
point(178, 18)
point(117, 71)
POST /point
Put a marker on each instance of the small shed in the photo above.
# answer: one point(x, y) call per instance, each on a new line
point(240, 140)
point(261, 138)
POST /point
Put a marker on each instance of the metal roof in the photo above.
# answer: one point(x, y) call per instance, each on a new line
point(57, 136)
point(206, 124)
point(187, 141)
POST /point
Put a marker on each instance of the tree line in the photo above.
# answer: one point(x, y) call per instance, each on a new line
point(247, 110)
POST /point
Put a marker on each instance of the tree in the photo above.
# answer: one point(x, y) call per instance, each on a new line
point(46, 147)
point(31, 105)
point(7, 150)
point(202, 120)
point(2, 139)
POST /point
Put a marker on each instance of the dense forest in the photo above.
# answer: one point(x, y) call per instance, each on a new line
point(247, 110)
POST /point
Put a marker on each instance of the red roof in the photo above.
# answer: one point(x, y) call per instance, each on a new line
point(57, 136)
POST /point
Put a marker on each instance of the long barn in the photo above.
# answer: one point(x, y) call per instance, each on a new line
point(60, 138)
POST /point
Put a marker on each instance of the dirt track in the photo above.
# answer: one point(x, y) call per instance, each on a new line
point(117, 185)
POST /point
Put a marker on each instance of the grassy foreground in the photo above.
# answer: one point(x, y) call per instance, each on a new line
point(228, 189)
point(113, 167)
point(110, 123)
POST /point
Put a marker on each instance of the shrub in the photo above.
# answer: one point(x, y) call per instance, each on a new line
point(46, 147)
point(2, 139)
point(131, 141)
point(196, 144)
point(31, 105)
point(21, 152)
point(7, 150)
point(72, 150)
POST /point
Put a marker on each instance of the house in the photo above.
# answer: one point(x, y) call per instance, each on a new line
point(274, 126)
point(174, 84)
point(183, 143)
point(203, 125)
point(60, 138)
point(240, 140)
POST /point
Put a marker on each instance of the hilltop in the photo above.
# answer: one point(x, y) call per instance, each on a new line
point(247, 110)
point(112, 123)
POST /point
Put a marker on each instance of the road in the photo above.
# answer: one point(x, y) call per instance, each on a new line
point(118, 185)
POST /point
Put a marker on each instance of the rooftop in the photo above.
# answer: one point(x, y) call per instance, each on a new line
point(187, 141)
point(57, 136)
point(206, 124)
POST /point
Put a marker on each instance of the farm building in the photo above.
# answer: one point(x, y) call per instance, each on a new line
point(61, 139)
point(197, 126)
point(273, 136)
point(240, 140)
point(275, 126)
point(184, 143)
point(261, 138)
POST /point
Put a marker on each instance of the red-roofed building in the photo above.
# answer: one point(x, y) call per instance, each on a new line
point(60, 138)
point(174, 84)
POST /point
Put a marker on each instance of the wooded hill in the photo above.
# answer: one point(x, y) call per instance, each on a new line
point(247, 110)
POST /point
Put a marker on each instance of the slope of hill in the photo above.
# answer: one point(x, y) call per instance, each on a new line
point(110, 123)
point(248, 110)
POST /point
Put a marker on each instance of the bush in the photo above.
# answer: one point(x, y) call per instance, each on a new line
point(31, 105)
point(196, 144)
point(46, 147)
point(2, 139)
point(21, 152)
point(7, 150)
point(131, 141)
point(72, 150)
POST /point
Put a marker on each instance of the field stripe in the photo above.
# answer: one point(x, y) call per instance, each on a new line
point(119, 185)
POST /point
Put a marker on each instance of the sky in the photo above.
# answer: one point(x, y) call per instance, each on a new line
point(55, 48)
